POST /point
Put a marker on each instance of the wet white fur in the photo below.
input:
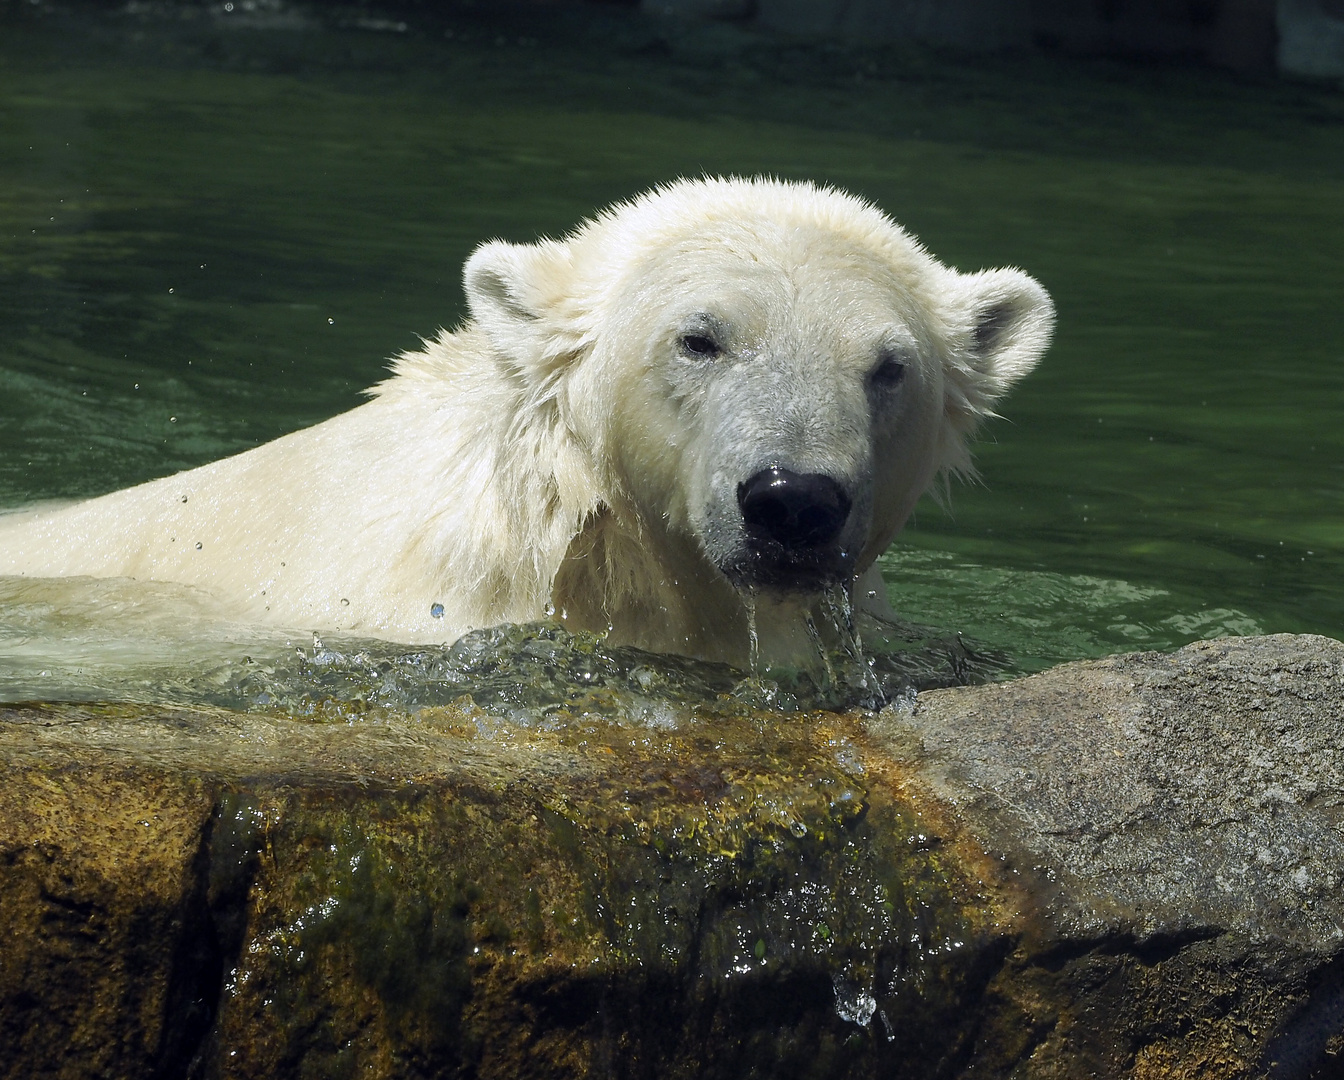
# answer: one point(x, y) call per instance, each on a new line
point(556, 450)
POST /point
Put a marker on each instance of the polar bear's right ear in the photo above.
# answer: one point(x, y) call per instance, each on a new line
point(516, 295)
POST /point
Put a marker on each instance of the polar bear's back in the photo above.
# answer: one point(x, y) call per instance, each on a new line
point(315, 528)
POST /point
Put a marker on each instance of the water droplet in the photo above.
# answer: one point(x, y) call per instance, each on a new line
point(172, 419)
point(170, 290)
point(331, 322)
point(137, 386)
point(184, 498)
point(436, 610)
point(198, 545)
point(346, 603)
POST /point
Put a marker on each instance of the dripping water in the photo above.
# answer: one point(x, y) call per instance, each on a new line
point(832, 681)
point(753, 639)
point(840, 611)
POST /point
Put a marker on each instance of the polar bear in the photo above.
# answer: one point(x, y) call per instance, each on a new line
point(686, 420)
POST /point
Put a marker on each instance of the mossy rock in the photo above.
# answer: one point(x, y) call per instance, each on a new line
point(953, 888)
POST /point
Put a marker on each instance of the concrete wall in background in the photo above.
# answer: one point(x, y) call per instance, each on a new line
point(1298, 37)
point(1311, 38)
point(968, 24)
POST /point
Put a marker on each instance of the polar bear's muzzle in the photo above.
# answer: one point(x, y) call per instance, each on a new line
point(792, 525)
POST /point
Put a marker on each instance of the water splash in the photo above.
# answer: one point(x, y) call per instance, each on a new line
point(529, 675)
point(853, 1002)
point(541, 674)
point(135, 642)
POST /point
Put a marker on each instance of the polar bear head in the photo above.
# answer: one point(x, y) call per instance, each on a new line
point(773, 372)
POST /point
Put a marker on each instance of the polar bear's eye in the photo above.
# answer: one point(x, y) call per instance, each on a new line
point(888, 373)
point(699, 346)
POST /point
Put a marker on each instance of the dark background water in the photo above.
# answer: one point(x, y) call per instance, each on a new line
point(216, 226)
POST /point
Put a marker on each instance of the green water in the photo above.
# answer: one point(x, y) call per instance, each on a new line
point(213, 233)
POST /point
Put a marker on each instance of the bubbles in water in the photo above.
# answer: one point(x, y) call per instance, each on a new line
point(436, 611)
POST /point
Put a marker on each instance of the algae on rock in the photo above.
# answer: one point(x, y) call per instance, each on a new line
point(742, 895)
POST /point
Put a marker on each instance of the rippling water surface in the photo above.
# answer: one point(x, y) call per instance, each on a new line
point(215, 227)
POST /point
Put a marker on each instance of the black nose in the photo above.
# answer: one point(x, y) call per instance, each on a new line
point(797, 512)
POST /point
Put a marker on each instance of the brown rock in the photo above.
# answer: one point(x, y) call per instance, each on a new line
point(1126, 868)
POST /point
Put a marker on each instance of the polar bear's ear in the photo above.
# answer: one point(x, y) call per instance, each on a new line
point(515, 294)
point(1003, 323)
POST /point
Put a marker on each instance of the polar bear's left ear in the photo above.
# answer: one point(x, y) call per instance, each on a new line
point(1002, 324)
point(516, 294)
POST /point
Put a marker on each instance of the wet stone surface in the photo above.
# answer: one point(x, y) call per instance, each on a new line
point(1123, 868)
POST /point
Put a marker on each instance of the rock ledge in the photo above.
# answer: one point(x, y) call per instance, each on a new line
point(1122, 868)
